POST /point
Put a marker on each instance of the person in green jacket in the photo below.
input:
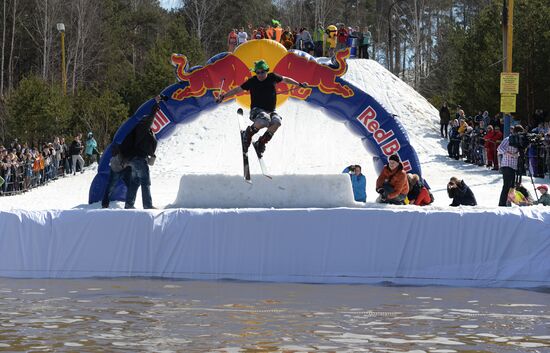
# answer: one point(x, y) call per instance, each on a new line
point(318, 40)
point(365, 43)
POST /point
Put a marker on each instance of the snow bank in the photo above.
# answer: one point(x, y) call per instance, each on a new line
point(283, 191)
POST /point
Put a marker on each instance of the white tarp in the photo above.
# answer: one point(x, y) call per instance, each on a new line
point(509, 248)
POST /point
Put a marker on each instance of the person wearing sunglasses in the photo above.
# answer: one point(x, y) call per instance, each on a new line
point(263, 100)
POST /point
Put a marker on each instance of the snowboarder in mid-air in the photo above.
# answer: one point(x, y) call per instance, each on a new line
point(263, 97)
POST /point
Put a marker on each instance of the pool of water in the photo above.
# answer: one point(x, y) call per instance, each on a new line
point(150, 315)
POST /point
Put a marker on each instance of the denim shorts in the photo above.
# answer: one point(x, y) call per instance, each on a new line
point(264, 117)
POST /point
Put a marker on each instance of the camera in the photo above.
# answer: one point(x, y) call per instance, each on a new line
point(452, 190)
point(524, 139)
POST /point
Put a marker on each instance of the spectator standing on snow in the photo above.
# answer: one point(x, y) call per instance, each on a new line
point(342, 37)
point(306, 41)
point(454, 141)
point(358, 182)
point(58, 155)
point(91, 148)
point(318, 39)
point(232, 40)
point(242, 36)
point(460, 193)
point(392, 183)
point(75, 151)
point(492, 140)
point(141, 155)
point(508, 164)
point(364, 43)
point(444, 119)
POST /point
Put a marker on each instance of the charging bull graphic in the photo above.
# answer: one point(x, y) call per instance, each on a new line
point(197, 89)
point(318, 76)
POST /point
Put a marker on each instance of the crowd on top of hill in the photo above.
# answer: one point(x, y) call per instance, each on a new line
point(320, 42)
point(24, 166)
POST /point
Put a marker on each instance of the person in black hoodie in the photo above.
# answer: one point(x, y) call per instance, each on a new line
point(141, 154)
point(460, 193)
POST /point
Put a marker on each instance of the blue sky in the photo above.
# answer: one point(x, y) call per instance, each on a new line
point(168, 4)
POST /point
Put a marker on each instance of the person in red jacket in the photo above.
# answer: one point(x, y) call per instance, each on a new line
point(392, 183)
point(492, 140)
point(419, 194)
point(341, 37)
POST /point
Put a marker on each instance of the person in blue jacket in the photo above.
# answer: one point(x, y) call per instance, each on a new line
point(358, 182)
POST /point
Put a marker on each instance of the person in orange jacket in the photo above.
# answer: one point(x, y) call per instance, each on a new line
point(392, 183)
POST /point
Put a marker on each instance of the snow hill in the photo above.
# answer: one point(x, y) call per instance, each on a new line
point(308, 143)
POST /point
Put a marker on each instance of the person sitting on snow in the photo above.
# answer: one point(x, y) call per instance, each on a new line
point(419, 194)
point(358, 182)
point(392, 184)
point(460, 193)
point(519, 195)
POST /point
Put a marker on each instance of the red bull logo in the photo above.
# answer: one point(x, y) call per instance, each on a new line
point(159, 122)
point(385, 139)
point(230, 70)
point(322, 77)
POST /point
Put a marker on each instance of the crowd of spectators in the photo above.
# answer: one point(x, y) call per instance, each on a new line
point(475, 139)
point(319, 42)
point(23, 167)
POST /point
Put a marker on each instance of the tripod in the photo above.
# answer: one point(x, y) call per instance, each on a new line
point(521, 169)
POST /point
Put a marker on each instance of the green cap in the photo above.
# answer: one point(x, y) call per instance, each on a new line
point(260, 65)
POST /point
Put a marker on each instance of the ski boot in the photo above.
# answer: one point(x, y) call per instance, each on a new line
point(246, 137)
point(260, 148)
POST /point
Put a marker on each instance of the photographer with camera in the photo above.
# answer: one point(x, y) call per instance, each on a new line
point(460, 193)
point(509, 165)
point(358, 182)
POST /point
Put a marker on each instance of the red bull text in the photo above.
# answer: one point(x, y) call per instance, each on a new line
point(385, 139)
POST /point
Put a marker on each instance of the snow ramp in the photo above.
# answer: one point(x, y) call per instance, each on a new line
point(283, 191)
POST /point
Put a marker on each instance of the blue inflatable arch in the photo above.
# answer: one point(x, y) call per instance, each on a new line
point(197, 89)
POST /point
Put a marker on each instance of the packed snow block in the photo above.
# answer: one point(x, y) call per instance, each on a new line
point(283, 191)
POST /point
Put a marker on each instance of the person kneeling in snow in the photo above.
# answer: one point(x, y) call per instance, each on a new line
point(519, 195)
point(418, 195)
point(392, 184)
point(544, 198)
point(358, 182)
point(460, 193)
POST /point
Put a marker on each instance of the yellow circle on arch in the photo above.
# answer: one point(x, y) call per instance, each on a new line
point(270, 51)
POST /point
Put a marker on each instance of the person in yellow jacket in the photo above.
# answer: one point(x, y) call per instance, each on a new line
point(331, 39)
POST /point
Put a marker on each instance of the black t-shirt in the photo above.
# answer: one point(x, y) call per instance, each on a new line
point(262, 93)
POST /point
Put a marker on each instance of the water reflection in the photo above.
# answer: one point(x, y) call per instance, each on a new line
point(191, 316)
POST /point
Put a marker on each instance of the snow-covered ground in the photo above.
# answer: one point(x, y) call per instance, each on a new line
point(308, 143)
